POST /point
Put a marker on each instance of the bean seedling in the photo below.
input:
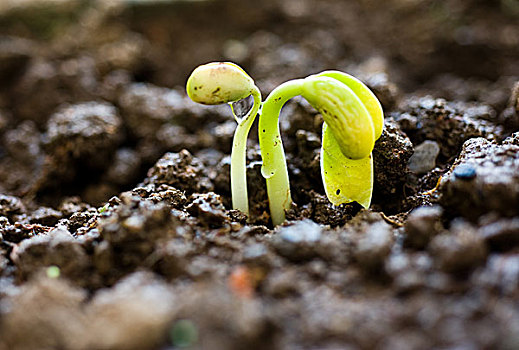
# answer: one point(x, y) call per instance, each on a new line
point(353, 121)
point(225, 82)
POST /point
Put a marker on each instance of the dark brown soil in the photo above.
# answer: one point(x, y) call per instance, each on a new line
point(116, 230)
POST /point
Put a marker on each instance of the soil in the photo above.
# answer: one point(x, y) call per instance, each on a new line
point(116, 227)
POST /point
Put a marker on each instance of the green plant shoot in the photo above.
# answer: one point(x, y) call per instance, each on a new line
point(354, 175)
point(353, 121)
point(225, 82)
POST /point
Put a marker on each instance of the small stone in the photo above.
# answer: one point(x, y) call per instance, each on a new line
point(465, 172)
point(424, 157)
point(448, 123)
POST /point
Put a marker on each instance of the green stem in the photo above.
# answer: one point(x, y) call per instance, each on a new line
point(239, 194)
point(274, 168)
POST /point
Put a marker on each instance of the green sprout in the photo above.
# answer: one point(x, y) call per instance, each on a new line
point(104, 208)
point(353, 121)
point(225, 82)
point(53, 271)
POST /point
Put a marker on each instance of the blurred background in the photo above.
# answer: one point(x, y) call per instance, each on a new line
point(160, 41)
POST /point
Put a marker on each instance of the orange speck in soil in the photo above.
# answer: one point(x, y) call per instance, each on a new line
point(241, 282)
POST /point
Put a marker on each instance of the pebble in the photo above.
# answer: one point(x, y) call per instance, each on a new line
point(448, 123)
point(424, 157)
point(465, 172)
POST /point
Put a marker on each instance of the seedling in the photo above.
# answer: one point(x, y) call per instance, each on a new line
point(225, 82)
point(353, 121)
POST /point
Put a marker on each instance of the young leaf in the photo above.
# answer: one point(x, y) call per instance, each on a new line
point(366, 96)
point(345, 114)
point(225, 82)
point(345, 180)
